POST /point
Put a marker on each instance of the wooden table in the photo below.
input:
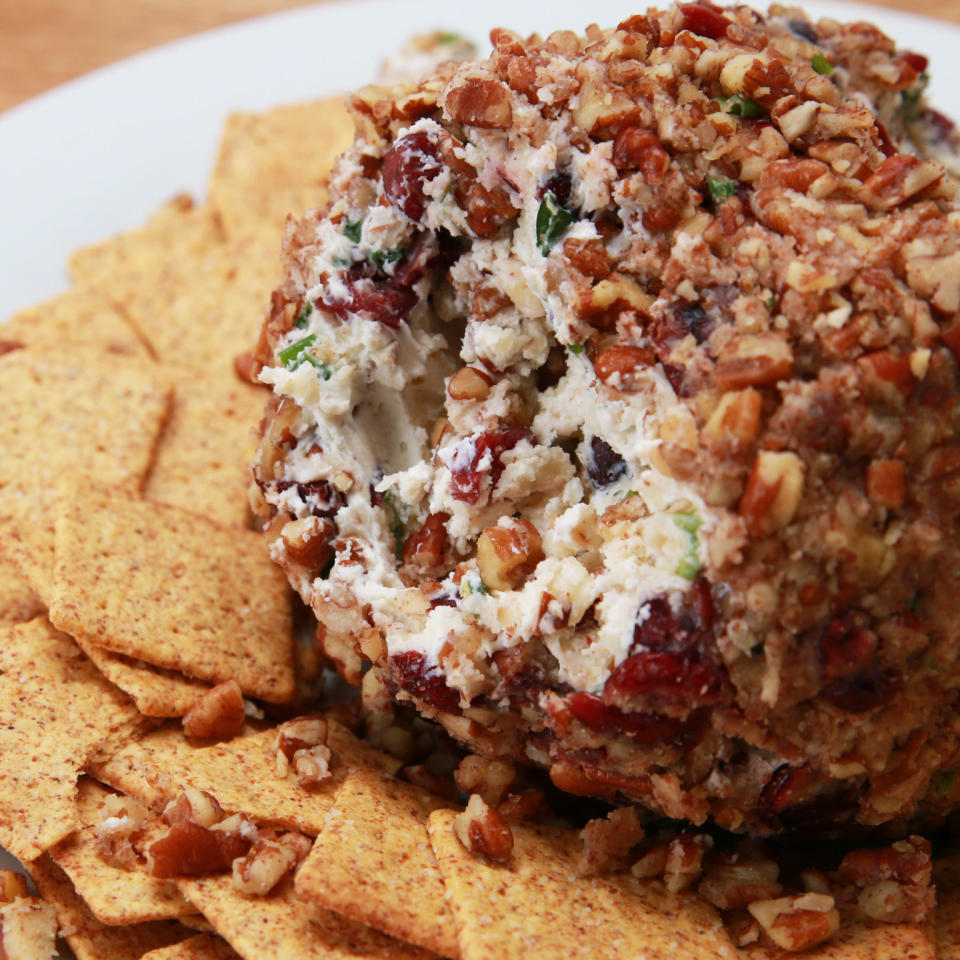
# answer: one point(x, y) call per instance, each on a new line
point(46, 42)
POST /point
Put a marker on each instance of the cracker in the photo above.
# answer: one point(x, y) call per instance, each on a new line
point(174, 589)
point(114, 895)
point(240, 773)
point(155, 691)
point(373, 862)
point(88, 937)
point(202, 947)
point(283, 924)
point(535, 905)
point(18, 602)
point(56, 713)
point(202, 461)
point(275, 163)
point(79, 316)
point(79, 412)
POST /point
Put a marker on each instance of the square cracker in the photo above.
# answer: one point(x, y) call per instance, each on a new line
point(56, 713)
point(88, 937)
point(202, 947)
point(174, 589)
point(79, 413)
point(202, 462)
point(241, 774)
point(155, 691)
point(18, 602)
point(276, 163)
point(114, 895)
point(284, 924)
point(79, 316)
point(536, 906)
point(373, 862)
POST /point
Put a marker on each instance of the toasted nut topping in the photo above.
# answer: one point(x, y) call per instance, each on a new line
point(621, 365)
point(729, 886)
point(480, 103)
point(492, 779)
point(469, 383)
point(268, 862)
point(796, 923)
point(735, 421)
point(195, 806)
point(482, 830)
point(12, 886)
point(508, 553)
point(684, 861)
point(886, 483)
point(608, 841)
point(123, 818)
point(219, 713)
point(757, 360)
point(307, 541)
point(773, 492)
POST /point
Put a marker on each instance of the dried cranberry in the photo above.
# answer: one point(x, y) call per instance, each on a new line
point(604, 465)
point(845, 649)
point(867, 690)
point(671, 676)
point(705, 20)
point(429, 253)
point(466, 471)
point(916, 60)
point(648, 729)
point(824, 812)
point(942, 125)
point(425, 682)
point(323, 499)
point(886, 144)
point(785, 785)
point(387, 302)
point(560, 184)
point(409, 164)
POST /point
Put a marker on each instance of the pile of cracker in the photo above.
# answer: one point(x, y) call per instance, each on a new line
point(131, 583)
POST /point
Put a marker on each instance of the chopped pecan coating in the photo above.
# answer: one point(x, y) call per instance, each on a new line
point(481, 829)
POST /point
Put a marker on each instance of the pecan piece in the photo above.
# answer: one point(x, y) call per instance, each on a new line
point(508, 553)
point(754, 360)
point(12, 886)
point(799, 922)
point(481, 829)
point(268, 861)
point(773, 492)
point(218, 714)
point(608, 841)
point(480, 103)
point(897, 179)
point(492, 779)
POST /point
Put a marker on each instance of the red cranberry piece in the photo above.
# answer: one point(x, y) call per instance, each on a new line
point(319, 495)
point(425, 682)
point(705, 20)
point(648, 729)
point(605, 465)
point(671, 676)
point(470, 453)
point(845, 649)
point(866, 691)
point(886, 144)
point(387, 302)
point(409, 164)
point(916, 60)
point(783, 789)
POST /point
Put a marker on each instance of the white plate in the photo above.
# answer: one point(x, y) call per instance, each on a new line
point(97, 155)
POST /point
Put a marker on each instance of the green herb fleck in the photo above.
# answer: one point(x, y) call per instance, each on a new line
point(352, 230)
point(741, 106)
point(915, 602)
point(944, 783)
point(291, 357)
point(821, 64)
point(303, 317)
point(910, 99)
point(576, 348)
point(483, 589)
point(382, 258)
point(771, 301)
point(631, 493)
point(553, 221)
point(397, 519)
point(340, 261)
point(721, 188)
point(449, 38)
point(689, 566)
point(468, 586)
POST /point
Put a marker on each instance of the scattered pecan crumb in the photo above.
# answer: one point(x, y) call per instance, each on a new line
point(481, 829)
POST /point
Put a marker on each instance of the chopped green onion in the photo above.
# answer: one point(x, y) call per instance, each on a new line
point(340, 262)
point(397, 519)
point(909, 99)
point(483, 589)
point(575, 348)
point(383, 257)
point(297, 353)
point(915, 602)
point(449, 38)
point(721, 188)
point(741, 106)
point(821, 64)
point(352, 230)
point(689, 566)
point(944, 783)
point(473, 586)
point(553, 221)
point(771, 301)
point(303, 317)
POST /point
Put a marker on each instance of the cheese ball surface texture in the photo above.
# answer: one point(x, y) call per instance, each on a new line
point(615, 415)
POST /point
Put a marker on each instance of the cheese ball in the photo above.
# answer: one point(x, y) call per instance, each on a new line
point(615, 415)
